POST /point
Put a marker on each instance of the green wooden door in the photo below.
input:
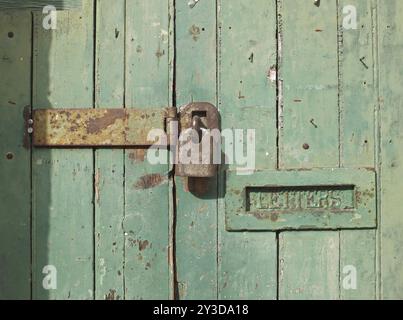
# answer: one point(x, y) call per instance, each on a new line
point(316, 216)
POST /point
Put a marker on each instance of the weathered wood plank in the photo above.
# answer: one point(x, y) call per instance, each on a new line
point(39, 4)
point(309, 125)
point(357, 86)
point(109, 164)
point(196, 221)
point(247, 262)
point(63, 179)
point(309, 137)
point(357, 264)
point(146, 222)
point(309, 265)
point(391, 110)
point(357, 97)
point(15, 182)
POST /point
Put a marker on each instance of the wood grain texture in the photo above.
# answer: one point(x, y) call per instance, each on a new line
point(196, 227)
point(15, 181)
point(309, 72)
point(357, 98)
point(357, 250)
point(247, 261)
point(63, 179)
point(109, 164)
point(391, 110)
point(309, 265)
point(146, 221)
point(309, 138)
point(39, 4)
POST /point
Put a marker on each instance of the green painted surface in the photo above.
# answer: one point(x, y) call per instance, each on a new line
point(111, 222)
point(15, 181)
point(308, 265)
point(358, 142)
point(247, 261)
point(146, 220)
point(109, 164)
point(309, 73)
point(391, 223)
point(62, 181)
point(358, 255)
point(314, 199)
point(309, 138)
point(196, 217)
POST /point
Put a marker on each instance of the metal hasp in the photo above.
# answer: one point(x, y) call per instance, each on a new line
point(129, 128)
point(198, 120)
point(97, 128)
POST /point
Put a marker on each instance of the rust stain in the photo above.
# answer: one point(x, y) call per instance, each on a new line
point(112, 295)
point(160, 53)
point(137, 155)
point(143, 244)
point(194, 31)
point(96, 125)
point(360, 195)
point(274, 217)
point(149, 181)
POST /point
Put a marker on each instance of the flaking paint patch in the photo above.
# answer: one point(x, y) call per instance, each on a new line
point(143, 244)
point(112, 295)
point(272, 74)
point(149, 181)
point(98, 124)
point(137, 155)
point(96, 185)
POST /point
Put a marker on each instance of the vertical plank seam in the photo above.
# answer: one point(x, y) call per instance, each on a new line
point(378, 150)
point(124, 150)
point(279, 123)
point(94, 155)
point(340, 93)
point(340, 104)
point(278, 266)
point(30, 160)
point(279, 82)
point(173, 278)
point(217, 33)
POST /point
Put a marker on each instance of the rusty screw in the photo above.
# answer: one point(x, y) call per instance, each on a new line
point(9, 156)
point(305, 146)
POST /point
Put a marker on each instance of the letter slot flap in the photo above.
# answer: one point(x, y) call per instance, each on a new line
point(328, 199)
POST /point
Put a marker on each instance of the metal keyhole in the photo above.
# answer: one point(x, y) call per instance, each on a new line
point(198, 126)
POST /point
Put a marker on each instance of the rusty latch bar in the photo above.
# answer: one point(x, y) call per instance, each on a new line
point(128, 128)
point(97, 127)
